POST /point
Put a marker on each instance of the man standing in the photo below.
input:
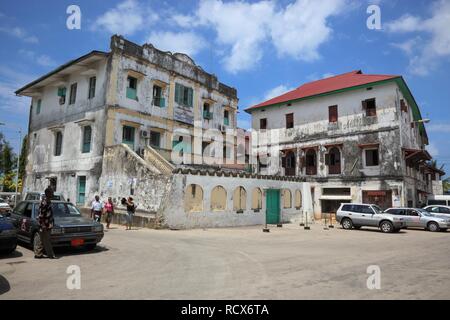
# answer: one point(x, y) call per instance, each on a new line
point(45, 219)
point(96, 209)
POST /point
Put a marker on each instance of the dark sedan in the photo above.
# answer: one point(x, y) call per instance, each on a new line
point(70, 229)
point(8, 235)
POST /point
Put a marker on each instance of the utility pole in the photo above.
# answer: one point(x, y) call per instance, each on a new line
point(18, 162)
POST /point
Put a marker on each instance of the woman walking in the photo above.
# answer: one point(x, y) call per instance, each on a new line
point(109, 208)
point(131, 208)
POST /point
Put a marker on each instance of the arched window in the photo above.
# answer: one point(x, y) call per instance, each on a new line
point(333, 160)
point(298, 199)
point(311, 162)
point(218, 199)
point(193, 198)
point(287, 198)
point(256, 199)
point(239, 199)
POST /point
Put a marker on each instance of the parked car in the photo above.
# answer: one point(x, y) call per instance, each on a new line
point(437, 209)
point(420, 218)
point(355, 215)
point(38, 195)
point(8, 235)
point(71, 229)
point(4, 206)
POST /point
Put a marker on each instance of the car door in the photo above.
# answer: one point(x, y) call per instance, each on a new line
point(444, 210)
point(355, 214)
point(413, 218)
point(17, 218)
point(25, 223)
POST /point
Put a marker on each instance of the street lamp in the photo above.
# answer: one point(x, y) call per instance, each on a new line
point(422, 121)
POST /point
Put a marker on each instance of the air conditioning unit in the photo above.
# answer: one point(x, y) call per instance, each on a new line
point(221, 127)
point(145, 134)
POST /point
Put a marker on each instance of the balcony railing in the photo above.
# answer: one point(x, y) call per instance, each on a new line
point(207, 115)
point(131, 93)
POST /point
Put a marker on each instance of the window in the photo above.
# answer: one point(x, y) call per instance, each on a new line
point(332, 114)
point(263, 124)
point(333, 161)
point(128, 136)
point(158, 99)
point(38, 107)
point(207, 114)
point(372, 157)
point(310, 159)
point(62, 95)
point(444, 210)
point(131, 88)
point(370, 106)
point(87, 134)
point(155, 139)
point(73, 93)
point(28, 210)
point(81, 189)
point(58, 143)
point(226, 118)
point(92, 82)
point(193, 198)
point(184, 95)
point(289, 120)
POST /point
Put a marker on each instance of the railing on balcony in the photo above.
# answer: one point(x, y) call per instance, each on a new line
point(131, 93)
point(159, 102)
point(207, 115)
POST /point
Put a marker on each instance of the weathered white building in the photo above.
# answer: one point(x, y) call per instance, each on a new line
point(136, 95)
point(354, 137)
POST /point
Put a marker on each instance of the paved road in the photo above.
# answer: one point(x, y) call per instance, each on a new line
point(239, 263)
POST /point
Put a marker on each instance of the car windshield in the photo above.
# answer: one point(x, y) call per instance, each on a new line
point(64, 210)
point(377, 209)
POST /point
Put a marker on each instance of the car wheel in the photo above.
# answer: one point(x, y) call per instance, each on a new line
point(386, 227)
point(347, 224)
point(433, 227)
point(91, 246)
point(36, 241)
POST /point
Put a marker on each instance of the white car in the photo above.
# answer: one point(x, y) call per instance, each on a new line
point(438, 209)
point(4, 207)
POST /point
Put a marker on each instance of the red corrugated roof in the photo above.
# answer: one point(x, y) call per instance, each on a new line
point(342, 81)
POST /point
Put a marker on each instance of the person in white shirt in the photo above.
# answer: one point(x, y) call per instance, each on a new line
point(96, 209)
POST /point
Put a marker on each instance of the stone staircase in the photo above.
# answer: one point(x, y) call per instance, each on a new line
point(155, 159)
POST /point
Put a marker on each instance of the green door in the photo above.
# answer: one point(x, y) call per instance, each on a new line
point(273, 206)
point(81, 189)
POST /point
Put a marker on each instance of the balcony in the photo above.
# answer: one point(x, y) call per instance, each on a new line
point(131, 93)
point(159, 102)
point(207, 115)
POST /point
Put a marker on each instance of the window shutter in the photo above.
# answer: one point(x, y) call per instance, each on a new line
point(177, 93)
point(327, 159)
point(190, 97)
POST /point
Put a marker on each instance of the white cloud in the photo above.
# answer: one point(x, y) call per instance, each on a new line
point(126, 18)
point(438, 128)
point(433, 150)
point(425, 57)
point(41, 59)
point(19, 33)
point(408, 46)
point(184, 42)
point(277, 91)
point(299, 29)
point(244, 28)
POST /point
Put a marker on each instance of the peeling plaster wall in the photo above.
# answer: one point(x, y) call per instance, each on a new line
point(175, 216)
point(125, 173)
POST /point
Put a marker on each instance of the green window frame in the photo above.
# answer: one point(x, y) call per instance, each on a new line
point(128, 134)
point(132, 88)
point(184, 95)
point(226, 118)
point(92, 84)
point(38, 106)
point(87, 136)
point(81, 198)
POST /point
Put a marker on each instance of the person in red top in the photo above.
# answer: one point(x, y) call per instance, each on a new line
point(109, 209)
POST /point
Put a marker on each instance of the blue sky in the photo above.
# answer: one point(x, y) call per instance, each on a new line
point(260, 47)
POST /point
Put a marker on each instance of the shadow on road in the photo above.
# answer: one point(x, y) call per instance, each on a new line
point(78, 251)
point(15, 254)
point(373, 230)
point(4, 285)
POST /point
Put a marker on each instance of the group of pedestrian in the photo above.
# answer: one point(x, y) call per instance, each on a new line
point(98, 208)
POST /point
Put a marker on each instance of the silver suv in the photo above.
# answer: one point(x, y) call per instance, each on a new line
point(356, 215)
